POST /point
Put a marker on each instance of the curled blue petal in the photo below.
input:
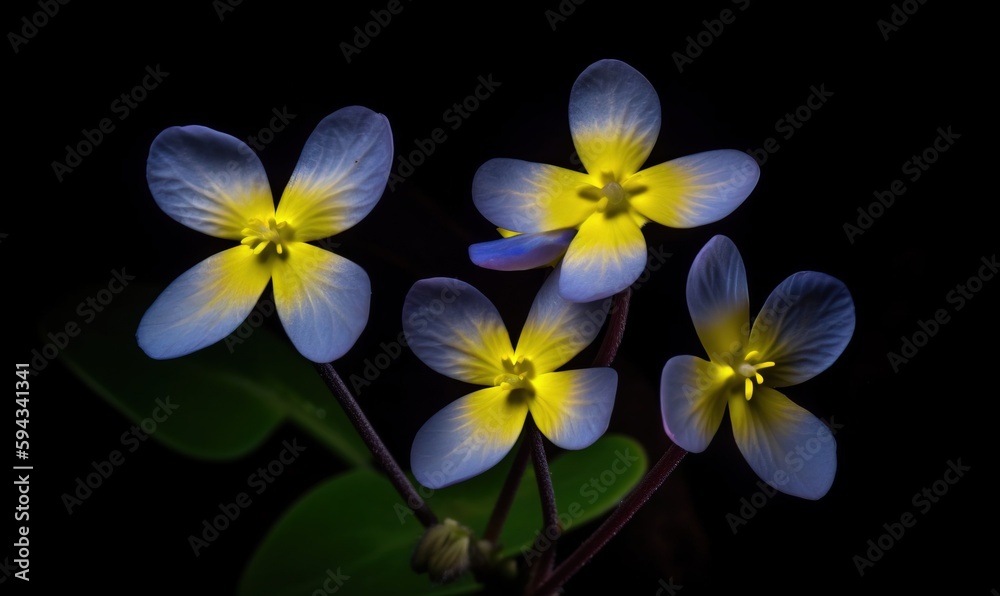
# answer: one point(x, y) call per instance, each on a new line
point(524, 251)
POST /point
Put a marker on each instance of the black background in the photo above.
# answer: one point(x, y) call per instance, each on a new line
point(890, 97)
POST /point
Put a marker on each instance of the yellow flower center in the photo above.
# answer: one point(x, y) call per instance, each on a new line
point(517, 374)
point(613, 195)
point(258, 235)
point(749, 369)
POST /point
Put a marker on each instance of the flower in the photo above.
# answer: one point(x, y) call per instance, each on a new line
point(801, 330)
point(216, 184)
point(596, 217)
point(458, 332)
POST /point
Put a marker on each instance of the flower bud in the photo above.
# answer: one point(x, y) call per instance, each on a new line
point(444, 551)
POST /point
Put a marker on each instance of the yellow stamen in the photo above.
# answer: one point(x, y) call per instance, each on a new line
point(517, 374)
point(750, 371)
point(614, 192)
point(258, 235)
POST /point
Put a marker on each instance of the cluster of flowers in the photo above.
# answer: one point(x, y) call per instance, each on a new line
point(587, 224)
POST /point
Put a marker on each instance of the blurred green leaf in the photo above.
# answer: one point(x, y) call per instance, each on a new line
point(358, 524)
point(226, 399)
point(348, 528)
point(588, 483)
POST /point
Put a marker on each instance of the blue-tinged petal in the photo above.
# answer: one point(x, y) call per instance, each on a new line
point(693, 395)
point(607, 256)
point(467, 437)
point(208, 181)
point(557, 329)
point(322, 300)
point(718, 300)
point(204, 305)
point(803, 327)
point(694, 190)
point(531, 197)
point(523, 251)
point(573, 408)
point(614, 117)
point(786, 446)
point(340, 175)
point(456, 330)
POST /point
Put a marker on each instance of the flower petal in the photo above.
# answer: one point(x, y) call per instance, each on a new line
point(718, 300)
point(455, 330)
point(531, 197)
point(340, 175)
point(204, 305)
point(786, 446)
point(694, 190)
point(467, 437)
point(803, 327)
point(614, 117)
point(573, 408)
point(607, 256)
point(208, 181)
point(556, 329)
point(322, 300)
point(523, 251)
point(692, 401)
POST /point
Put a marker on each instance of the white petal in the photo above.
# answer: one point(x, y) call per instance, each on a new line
point(208, 181)
point(322, 300)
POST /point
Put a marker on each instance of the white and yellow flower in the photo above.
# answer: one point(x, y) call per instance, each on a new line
point(803, 327)
point(215, 184)
point(458, 332)
point(596, 217)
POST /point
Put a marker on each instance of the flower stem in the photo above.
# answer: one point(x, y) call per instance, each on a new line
point(615, 522)
point(545, 542)
point(396, 475)
point(616, 329)
point(507, 494)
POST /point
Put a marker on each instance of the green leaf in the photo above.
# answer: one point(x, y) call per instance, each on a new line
point(225, 399)
point(587, 483)
point(352, 528)
point(358, 524)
